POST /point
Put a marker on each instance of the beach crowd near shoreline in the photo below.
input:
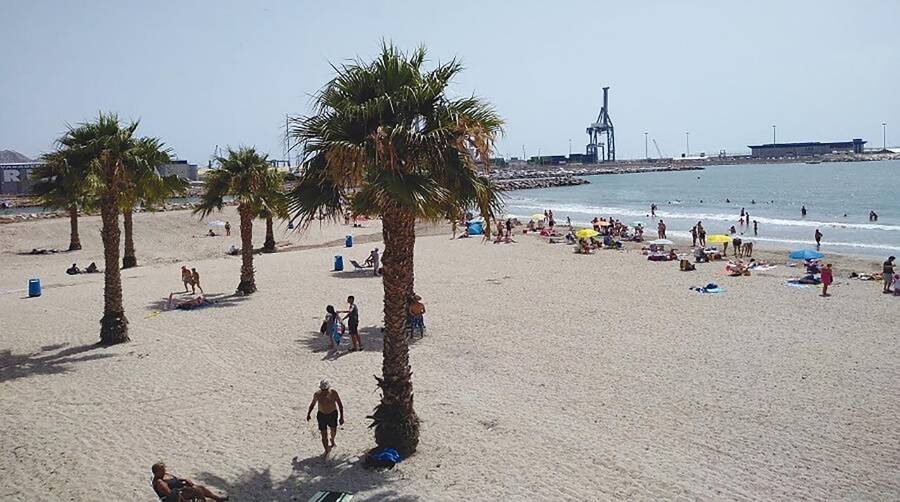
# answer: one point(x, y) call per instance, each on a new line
point(651, 384)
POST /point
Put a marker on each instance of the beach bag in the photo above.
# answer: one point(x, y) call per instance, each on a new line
point(383, 458)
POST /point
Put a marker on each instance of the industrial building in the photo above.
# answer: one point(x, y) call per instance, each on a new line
point(15, 177)
point(181, 168)
point(805, 149)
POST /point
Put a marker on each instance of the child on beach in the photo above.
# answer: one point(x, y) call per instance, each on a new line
point(827, 278)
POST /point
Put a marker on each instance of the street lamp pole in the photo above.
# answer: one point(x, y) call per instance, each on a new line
point(773, 134)
point(646, 154)
point(570, 147)
point(687, 143)
point(884, 135)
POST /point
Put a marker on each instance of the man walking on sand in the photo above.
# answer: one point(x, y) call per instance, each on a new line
point(329, 415)
point(195, 280)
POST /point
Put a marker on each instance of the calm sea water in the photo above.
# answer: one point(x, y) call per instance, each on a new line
point(716, 195)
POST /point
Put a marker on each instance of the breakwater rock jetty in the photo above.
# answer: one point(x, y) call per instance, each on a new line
point(511, 178)
point(539, 182)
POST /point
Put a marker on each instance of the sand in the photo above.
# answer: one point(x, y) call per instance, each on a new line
point(544, 375)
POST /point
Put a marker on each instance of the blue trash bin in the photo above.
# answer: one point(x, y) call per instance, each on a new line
point(34, 287)
point(338, 263)
point(291, 225)
point(348, 241)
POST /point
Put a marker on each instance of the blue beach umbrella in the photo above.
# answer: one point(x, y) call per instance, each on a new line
point(805, 254)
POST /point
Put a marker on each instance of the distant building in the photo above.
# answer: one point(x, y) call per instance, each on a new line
point(544, 160)
point(181, 168)
point(805, 149)
point(15, 177)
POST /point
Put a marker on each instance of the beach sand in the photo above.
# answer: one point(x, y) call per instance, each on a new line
point(544, 375)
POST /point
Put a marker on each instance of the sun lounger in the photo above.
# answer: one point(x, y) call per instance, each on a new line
point(331, 497)
point(357, 266)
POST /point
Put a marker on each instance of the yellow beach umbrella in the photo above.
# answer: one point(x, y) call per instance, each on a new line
point(718, 238)
point(537, 217)
point(586, 233)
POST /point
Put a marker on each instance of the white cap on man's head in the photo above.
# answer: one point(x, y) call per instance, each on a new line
point(324, 385)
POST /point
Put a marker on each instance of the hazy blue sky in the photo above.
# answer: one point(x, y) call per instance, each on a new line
point(202, 73)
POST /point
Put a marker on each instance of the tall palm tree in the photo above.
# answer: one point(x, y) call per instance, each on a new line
point(243, 174)
point(388, 139)
point(64, 182)
point(146, 187)
point(111, 146)
point(275, 207)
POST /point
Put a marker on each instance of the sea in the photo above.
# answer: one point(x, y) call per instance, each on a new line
point(838, 197)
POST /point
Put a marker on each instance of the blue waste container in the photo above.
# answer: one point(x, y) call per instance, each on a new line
point(290, 224)
point(348, 241)
point(338, 263)
point(34, 287)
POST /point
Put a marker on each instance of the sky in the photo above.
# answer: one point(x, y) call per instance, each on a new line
point(202, 73)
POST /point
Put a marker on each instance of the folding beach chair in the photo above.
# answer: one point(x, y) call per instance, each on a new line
point(331, 497)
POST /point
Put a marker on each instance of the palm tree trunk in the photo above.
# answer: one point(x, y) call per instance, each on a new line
point(248, 282)
point(129, 260)
point(269, 245)
point(114, 324)
point(74, 240)
point(395, 422)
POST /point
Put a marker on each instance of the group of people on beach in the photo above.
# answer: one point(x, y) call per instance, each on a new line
point(90, 269)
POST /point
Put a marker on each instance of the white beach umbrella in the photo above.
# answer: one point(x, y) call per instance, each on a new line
point(662, 242)
point(216, 223)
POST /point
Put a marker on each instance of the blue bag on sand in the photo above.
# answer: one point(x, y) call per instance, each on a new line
point(385, 457)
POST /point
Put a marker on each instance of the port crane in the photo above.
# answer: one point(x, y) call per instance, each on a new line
point(602, 126)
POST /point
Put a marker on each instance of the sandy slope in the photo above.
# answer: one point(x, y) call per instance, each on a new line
point(544, 376)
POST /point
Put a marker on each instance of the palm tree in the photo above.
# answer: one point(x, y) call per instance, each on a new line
point(276, 207)
point(243, 174)
point(111, 147)
point(64, 182)
point(146, 187)
point(388, 141)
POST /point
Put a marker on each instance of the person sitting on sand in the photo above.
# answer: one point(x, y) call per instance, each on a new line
point(171, 489)
point(91, 269)
point(686, 266)
point(211, 233)
point(73, 270)
point(673, 254)
point(234, 250)
point(700, 255)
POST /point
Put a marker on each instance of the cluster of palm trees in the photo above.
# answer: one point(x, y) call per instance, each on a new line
point(385, 140)
point(104, 164)
point(247, 177)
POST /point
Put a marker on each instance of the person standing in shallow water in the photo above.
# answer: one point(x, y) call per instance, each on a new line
point(818, 236)
point(755, 228)
point(329, 415)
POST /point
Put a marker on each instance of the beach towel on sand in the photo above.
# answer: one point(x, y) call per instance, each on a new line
point(710, 288)
point(331, 497)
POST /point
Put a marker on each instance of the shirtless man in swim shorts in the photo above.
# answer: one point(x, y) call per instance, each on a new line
point(330, 414)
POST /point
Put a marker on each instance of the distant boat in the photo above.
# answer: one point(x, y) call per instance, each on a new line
point(813, 161)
